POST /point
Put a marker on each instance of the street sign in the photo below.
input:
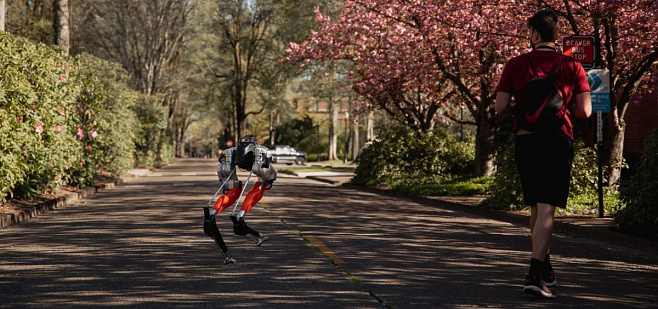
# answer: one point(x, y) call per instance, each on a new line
point(581, 48)
point(599, 84)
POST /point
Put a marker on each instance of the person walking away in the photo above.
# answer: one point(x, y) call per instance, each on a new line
point(543, 83)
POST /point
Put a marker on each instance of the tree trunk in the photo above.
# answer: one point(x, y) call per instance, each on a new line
point(271, 127)
point(333, 128)
point(3, 13)
point(356, 141)
point(484, 145)
point(61, 25)
point(615, 147)
point(370, 127)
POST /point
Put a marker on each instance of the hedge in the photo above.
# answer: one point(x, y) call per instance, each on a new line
point(63, 119)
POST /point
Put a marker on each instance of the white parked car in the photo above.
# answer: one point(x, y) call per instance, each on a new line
point(286, 154)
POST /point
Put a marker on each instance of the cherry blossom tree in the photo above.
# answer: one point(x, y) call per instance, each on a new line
point(628, 48)
point(414, 58)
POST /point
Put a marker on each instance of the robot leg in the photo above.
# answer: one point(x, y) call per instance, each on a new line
point(253, 197)
point(210, 229)
point(226, 200)
point(242, 229)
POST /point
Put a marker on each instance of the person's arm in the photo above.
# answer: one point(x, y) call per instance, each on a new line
point(583, 108)
point(583, 105)
point(503, 105)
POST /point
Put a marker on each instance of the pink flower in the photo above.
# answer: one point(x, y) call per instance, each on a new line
point(58, 179)
point(93, 134)
point(39, 128)
point(80, 133)
point(90, 148)
point(62, 78)
point(58, 128)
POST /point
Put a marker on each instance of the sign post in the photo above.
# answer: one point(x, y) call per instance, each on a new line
point(599, 84)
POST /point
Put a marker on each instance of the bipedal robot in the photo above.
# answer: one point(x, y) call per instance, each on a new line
point(247, 156)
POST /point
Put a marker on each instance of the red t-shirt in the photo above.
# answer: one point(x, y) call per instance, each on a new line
point(571, 77)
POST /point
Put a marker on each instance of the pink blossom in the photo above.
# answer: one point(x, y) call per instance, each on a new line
point(80, 133)
point(93, 134)
point(58, 179)
point(58, 128)
point(39, 128)
point(62, 78)
point(90, 148)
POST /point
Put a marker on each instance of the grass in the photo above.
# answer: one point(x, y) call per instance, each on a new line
point(460, 186)
point(305, 169)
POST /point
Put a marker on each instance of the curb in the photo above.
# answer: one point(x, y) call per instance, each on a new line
point(601, 233)
point(7, 220)
point(320, 179)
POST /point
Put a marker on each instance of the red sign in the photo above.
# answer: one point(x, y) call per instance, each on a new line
point(581, 48)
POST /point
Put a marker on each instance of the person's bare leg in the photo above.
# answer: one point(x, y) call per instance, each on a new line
point(542, 229)
point(533, 219)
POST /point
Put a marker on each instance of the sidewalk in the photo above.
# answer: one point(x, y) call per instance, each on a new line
point(10, 215)
point(598, 229)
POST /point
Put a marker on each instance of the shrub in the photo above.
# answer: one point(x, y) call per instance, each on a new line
point(60, 119)
point(506, 191)
point(106, 122)
point(151, 126)
point(401, 156)
point(37, 115)
point(640, 216)
point(114, 118)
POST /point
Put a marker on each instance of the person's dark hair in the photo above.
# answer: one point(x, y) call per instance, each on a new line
point(546, 23)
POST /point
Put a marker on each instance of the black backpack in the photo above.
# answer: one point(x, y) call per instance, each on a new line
point(539, 103)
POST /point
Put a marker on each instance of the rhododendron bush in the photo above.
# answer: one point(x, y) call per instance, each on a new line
point(61, 119)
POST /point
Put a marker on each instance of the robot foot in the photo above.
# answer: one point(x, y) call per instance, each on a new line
point(261, 240)
point(227, 258)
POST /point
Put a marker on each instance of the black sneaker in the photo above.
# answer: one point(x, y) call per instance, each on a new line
point(537, 288)
point(549, 279)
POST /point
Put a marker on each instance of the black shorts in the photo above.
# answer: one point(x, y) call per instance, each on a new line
point(544, 164)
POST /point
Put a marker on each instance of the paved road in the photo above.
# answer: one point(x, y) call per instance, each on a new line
point(141, 245)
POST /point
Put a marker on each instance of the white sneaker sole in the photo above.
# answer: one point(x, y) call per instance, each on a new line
point(537, 292)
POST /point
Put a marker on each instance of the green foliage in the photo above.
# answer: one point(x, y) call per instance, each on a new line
point(401, 155)
point(506, 191)
point(61, 119)
point(37, 115)
point(105, 119)
point(293, 132)
point(640, 216)
point(458, 156)
point(152, 124)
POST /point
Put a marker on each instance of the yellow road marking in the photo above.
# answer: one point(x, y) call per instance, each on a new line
point(324, 249)
point(317, 244)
